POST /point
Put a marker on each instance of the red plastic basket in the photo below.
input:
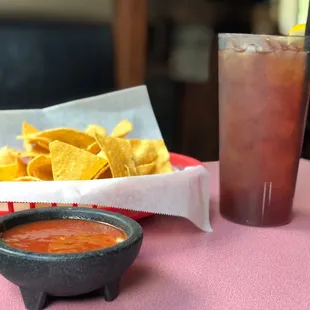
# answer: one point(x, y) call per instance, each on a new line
point(177, 160)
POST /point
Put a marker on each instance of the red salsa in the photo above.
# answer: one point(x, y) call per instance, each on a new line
point(63, 236)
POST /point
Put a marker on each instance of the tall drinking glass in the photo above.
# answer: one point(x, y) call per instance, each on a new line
point(263, 99)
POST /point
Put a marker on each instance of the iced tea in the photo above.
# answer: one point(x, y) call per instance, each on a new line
point(262, 106)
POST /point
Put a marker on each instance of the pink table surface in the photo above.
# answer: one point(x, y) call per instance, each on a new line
point(235, 267)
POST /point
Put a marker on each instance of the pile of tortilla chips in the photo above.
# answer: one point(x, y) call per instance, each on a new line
point(68, 154)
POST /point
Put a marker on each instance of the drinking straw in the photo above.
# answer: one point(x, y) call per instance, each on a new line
point(307, 49)
point(307, 33)
point(305, 94)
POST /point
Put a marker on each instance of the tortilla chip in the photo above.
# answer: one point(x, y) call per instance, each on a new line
point(39, 149)
point(28, 129)
point(31, 154)
point(122, 129)
point(148, 152)
point(144, 151)
point(93, 128)
point(8, 172)
point(163, 164)
point(11, 163)
point(104, 173)
point(127, 151)
point(21, 168)
point(94, 148)
point(146, 169)
point(72, 163)
point(40, 145)
point(79, 155)
point(7, 156)
point(37, 145)
point(26, 179)
point(40, 167)
point(70, 136)
point(33, 141)
point(103, 155)
point(119, 156)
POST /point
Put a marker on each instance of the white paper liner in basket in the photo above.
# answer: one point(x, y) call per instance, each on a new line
point(181, 193)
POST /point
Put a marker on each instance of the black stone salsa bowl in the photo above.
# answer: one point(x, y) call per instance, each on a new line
point(39, 275)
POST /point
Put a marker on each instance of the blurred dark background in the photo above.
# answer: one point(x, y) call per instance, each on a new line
point(54, 51)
